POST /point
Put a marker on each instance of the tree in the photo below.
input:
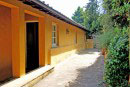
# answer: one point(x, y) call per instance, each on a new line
point(91, 15)
point(117, 62)
point(78, 15)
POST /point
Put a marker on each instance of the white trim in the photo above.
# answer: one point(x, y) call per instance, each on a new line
point(54, 38)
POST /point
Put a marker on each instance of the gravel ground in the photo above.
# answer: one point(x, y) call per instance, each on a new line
point(84, 69)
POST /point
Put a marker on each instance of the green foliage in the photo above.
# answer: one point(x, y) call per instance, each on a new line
point(106, 31)
point(116, 16)
point(106, 22)
point(113, 26)
point(78, 15)
point(105, 38)
point(114, 37)
point(119, 11)
point(91, 15)
point(117, 63)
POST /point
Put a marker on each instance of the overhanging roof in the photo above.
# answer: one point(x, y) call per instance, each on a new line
point(49, 10)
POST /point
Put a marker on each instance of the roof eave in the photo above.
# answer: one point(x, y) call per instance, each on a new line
point(54, 13)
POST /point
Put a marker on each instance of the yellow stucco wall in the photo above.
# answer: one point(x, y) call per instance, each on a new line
point(67, 43)
point(30, 18)
point(5, 43)
point(89, 43)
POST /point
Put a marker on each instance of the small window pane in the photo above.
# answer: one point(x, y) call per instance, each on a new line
point(53, 34)
point(54, 28)
point(52, 40)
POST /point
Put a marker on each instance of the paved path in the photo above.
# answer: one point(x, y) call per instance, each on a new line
point(80, 70)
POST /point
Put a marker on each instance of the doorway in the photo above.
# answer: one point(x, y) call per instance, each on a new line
point(32, 56)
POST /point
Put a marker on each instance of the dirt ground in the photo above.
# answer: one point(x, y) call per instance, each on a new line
point(84, 69)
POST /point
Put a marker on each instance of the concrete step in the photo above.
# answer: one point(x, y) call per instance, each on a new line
point(31, 78)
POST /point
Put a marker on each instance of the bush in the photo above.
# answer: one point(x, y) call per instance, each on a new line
point(105, 38)
point(107, 32)
point(117, 61)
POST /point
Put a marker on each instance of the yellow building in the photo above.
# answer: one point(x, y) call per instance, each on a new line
point(34, 35)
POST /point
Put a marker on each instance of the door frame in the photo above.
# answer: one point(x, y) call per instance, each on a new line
point(41, 37)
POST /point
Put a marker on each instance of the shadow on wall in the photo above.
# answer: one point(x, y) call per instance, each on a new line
point(91, 76)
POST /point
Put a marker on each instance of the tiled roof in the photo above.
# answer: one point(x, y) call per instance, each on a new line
point(49, 10)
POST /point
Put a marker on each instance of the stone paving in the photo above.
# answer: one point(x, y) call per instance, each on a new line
point(84, 69)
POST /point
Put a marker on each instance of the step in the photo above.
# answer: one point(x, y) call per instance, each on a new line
point(31, 78)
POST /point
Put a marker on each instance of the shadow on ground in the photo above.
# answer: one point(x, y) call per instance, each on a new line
point(91, 76)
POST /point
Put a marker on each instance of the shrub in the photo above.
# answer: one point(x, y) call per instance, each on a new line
point(117, 61)
point(105, 38)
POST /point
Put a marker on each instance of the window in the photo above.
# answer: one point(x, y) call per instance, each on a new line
point(54, 35)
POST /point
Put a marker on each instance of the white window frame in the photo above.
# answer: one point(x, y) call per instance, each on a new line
point(54, 36)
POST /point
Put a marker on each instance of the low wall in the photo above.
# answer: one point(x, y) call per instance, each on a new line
point(61, 53)
point(61, 57)
point(90, 43)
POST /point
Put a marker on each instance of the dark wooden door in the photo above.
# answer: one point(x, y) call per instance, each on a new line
point(32, 60)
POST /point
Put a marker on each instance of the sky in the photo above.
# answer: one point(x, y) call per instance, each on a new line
point(66, 7)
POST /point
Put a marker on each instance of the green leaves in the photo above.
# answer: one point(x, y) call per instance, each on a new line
point(119, 10)
point(89, 16)
point(113, 26)
point(105, 38)
point(78, 15)
point(117, 62)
